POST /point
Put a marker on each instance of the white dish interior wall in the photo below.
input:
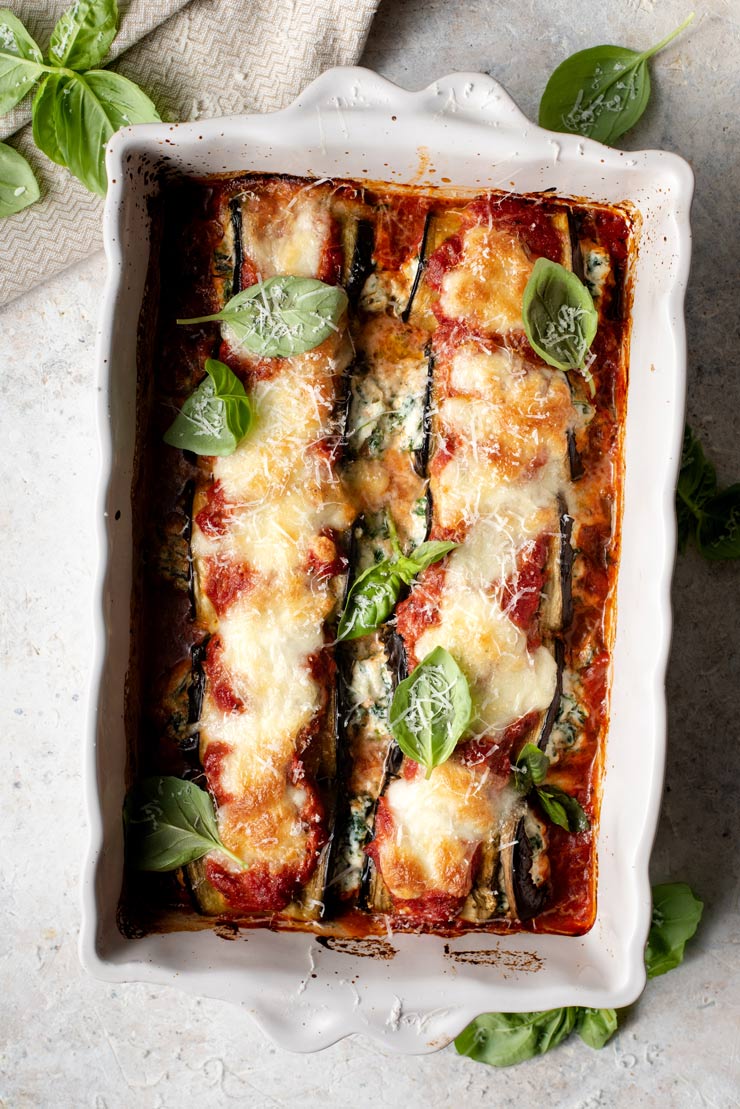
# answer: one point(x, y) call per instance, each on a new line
point(352, 123)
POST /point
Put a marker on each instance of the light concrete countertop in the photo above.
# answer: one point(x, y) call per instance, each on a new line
point(69, 1041)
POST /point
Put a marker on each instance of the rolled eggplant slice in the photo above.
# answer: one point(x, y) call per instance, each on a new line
point(358, 241)
point(524, 867)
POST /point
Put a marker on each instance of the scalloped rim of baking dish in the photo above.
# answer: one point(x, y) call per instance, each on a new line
point(351, 122)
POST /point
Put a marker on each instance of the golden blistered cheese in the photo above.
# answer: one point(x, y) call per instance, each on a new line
point(486, 286)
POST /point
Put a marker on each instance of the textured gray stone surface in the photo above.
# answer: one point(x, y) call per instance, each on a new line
point(70, 1041)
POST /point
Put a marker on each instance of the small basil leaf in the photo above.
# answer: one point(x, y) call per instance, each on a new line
point(676, 916)
point(431, 710)
point(370, 601)
point(530, 768)
point(502, 1039)
point(596, 1026)
point(169, 822)
point(431, 552)
point(373, 596)
point(76, 114)
point(83, 35)
point(21, 61)
point(282, 316)
point(562, 809)
point(559, 317)
point(600, 92)
point(697, 483)
point(718, 532)
point(215, 417)
point(18, 186)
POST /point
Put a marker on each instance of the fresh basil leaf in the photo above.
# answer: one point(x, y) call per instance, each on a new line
point(596, 1026)
point(600, 92)
point(370, 601)
point(431, 552)
point(282, 316)
point(76, 114)
point(712, 516)
point(502, 1039)
point(431, 710)
point(562, 809)
point(718, 531)
point(676, 916)
point(530, 768)
point(215, 417)
point(84, 33)
point(21, 61)
point(44, 122)
point(373, 596)
point(18, 186)
point(560, 320)
point(169, 822)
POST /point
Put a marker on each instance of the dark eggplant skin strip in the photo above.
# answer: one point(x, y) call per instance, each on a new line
point(529, 900)
point(566, 563)
point(574, 459)
point(575, 246)
point(236, 223)
point(197, 686)
point(552, 712)
point(419, 269)
point(421, 457)
point(361, 265)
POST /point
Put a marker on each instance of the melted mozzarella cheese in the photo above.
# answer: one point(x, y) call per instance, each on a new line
point(487, 285)
point(287, 237)
point(437, 825)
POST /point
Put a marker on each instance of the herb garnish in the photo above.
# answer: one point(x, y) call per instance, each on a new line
point(168, 823)
point(501, 1039)
point(282, 316)
point(530, 770)
point(77, 107)
point(709, 515)
point(559, 317)
point(215, 417)
point(600, 92)
point(431, 710)
point(373, 595)
point(18, 186)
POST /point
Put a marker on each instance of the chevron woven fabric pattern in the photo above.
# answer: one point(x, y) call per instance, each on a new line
point(196, 60)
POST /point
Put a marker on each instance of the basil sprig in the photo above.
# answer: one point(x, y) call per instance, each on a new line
point(530, 771)
point(373, 595)
point(431, 710)
point(77, 107)
point(502, 1039)
point(18, 186)
point(215, 417)
point(559, 316)
point(282, 316)
point(168, 823)
point(600, 92)
point(709, 515)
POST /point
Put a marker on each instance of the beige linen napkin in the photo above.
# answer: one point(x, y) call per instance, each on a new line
point(203, 58)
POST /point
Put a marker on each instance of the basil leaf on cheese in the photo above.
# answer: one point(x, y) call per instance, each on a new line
point(530, 768)
point(373, 596)
point(559, 316)
point(281, 316)
point(562, 809)
point(431, 710)
point(215, 417)
point(168, 823)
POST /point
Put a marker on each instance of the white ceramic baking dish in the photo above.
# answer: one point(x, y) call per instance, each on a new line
point(353, 123)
